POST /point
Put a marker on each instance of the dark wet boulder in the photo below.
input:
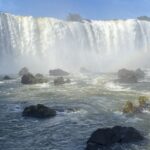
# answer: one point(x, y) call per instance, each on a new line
point(28, 79)
point(58, 72)
point(61, 80)
point(107, 137)
point(127, 76)
point(6, 77)
point(139, 73)
point(23, 71)
point(39, 111)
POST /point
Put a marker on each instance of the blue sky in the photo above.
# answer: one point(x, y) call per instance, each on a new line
point(92, 9)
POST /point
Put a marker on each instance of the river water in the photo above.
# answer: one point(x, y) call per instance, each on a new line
point(88, 103)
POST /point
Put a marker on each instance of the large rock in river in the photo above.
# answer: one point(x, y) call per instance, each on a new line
point(28, 79)
point(127, 76)
point(58, 72)
point(23, 71)
point(107, 137)
point(39, 111)
point(130, 76)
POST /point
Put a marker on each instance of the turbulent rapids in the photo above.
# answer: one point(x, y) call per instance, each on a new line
point(43, 43)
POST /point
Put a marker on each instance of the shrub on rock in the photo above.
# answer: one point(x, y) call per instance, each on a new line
point(128, 108)
point(142, 101)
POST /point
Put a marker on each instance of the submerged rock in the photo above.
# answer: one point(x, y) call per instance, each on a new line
point(58, 72)
point(6, 77)
point(31, 79)
point(23, 71)
point(107, 137)
point(61, 80)
point(39, 111)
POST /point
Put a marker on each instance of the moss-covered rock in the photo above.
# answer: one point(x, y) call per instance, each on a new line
point(142, 101)
point(128, 108)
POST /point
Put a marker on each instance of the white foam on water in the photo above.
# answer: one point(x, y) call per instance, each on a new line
point(134, 120)
point(42, 85)
point(118, 113)
point(115, 87)
point(1, 82)
point(146, 111)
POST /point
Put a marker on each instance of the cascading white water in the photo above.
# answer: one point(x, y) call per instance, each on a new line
point(44, 43)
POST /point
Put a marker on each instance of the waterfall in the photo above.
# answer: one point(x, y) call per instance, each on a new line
point(44, 43)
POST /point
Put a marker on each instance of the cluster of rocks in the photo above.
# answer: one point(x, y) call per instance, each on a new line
point(59, 73)
point(130, 76)
point(29, 78)
point(130, 108)
point(102, 138)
